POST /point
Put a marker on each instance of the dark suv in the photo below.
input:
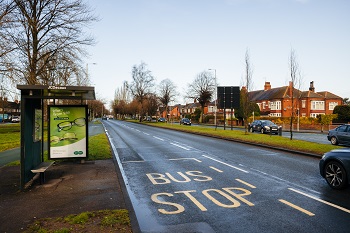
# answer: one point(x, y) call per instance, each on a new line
point(339, 135)
point(185, 121)
point(264, 126)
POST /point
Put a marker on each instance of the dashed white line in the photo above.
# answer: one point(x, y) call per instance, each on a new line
point(229, 165)
point(161, 139)
point(182, 147)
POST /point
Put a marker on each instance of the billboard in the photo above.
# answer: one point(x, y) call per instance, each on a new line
point(228, 97)
point(68, 131)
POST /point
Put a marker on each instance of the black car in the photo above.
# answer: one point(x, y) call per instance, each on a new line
point(335, 168)
point(185, 121)
point(339, 135)
point(264, 126)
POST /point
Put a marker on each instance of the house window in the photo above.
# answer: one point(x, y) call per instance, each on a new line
point(317, 105)
point(332, 105)
point(303, 103)
point(275, 105)
point(264, 105)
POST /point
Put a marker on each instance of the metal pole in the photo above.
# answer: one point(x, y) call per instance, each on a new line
point(215, 95)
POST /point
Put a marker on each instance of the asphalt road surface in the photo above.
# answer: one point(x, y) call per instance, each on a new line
point(180, 182)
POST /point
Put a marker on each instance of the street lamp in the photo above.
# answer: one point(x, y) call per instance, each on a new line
point(215, 97)
point(87, 70)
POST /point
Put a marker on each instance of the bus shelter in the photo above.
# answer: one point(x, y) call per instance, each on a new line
point(64, 132)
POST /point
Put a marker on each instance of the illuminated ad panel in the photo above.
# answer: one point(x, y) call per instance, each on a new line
point(68, 137)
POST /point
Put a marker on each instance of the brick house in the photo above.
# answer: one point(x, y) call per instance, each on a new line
point(8, 109)
point(277, 102)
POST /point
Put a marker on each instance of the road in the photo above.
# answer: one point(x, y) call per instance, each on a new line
point(179, 182)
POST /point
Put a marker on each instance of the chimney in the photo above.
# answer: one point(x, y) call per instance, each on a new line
point(312, 88)
point(267, 86)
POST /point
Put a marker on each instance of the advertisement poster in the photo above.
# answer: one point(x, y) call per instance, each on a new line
point(38, 130)
point(68, 131)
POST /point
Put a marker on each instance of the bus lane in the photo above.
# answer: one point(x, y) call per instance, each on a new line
point(176, 187)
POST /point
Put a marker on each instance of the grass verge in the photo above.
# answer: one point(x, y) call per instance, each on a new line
point(254, 138)
point(99, 147)
point(97, 221)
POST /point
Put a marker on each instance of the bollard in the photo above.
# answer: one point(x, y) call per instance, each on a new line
point(280, 131)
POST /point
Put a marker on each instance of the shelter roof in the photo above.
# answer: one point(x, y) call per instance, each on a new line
point(58, 92)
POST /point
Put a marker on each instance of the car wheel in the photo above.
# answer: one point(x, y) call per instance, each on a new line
point(335, 175)
point(262, 130)
point(334, 141)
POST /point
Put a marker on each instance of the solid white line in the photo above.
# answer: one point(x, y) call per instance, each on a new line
point(182, 147)
point(225, 164)
point(159, 138)
point(320, 200)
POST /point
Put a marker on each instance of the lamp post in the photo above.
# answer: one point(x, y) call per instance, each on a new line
point(215, 97)
point(87, 70)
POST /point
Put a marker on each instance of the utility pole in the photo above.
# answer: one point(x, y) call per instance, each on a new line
point(215, 98)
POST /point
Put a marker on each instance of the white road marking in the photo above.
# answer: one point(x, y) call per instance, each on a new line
point(186, 159)
point(229, 165)
point(320, 200)
point(161, 139)
point(182, 147)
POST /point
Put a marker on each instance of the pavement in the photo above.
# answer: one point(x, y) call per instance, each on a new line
point(70, 188)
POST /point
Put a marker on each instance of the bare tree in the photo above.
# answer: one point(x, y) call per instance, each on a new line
point(245, 101)
point(121, 99)
point(167, 93)
point(47, 34)
point(202, 89)
point(6, 7)
point(151, 104)
point(142, 83)
point(295, 81)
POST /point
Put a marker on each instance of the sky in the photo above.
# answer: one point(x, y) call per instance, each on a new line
point(179, 39)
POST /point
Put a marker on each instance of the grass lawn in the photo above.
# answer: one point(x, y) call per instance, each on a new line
point(9, 136)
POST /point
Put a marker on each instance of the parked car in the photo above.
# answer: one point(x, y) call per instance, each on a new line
point(162, 119)
point(185, 121)
point(264, 126)
point(335, 168)
point(339, 135)
point(15, 119)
